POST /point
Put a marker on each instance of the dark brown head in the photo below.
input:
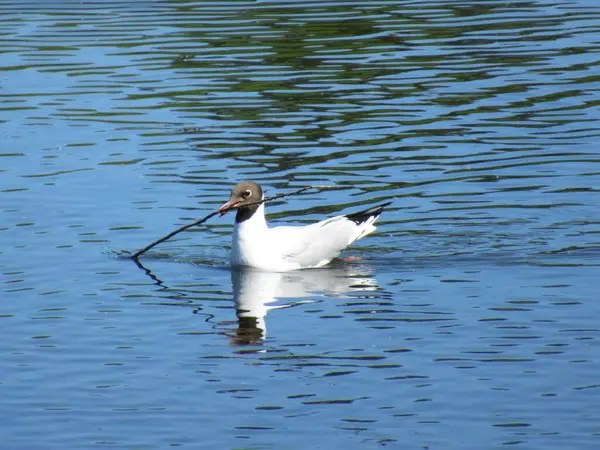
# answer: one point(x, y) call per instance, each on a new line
point(242, 194)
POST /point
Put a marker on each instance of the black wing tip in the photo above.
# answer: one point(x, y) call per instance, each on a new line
point(363, 216)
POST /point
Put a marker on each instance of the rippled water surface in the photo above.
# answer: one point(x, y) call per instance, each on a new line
point(468, 321)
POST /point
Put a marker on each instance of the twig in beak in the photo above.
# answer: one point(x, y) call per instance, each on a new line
point(222, 211)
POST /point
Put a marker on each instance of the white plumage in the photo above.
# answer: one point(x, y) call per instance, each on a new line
point(286, 248)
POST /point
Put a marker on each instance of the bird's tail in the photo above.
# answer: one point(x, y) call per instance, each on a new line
point(364, 219)
point(363, 216)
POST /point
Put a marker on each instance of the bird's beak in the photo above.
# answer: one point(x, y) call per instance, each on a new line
point(231, 204)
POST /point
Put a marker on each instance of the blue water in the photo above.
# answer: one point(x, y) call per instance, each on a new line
point(468, 321)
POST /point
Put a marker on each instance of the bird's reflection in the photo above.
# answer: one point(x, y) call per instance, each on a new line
point(256, 292)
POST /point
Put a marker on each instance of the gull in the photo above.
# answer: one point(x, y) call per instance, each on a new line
point(286, 248)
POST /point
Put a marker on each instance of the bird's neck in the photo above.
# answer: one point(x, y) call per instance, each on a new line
point(256, 223)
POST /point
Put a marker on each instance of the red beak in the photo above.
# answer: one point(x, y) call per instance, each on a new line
point(227, 206)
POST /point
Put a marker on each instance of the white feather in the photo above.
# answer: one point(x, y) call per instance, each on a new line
point(286, 248)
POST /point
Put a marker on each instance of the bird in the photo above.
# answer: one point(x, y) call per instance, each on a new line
point(288, 248)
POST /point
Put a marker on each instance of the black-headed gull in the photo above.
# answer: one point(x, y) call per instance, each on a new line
point(286, 248)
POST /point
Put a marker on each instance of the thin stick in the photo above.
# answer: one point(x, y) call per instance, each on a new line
point(138, 253)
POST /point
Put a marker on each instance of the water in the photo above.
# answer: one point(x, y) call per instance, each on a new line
point(468, 321)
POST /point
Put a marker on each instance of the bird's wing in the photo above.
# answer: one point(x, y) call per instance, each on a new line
point(317, 244)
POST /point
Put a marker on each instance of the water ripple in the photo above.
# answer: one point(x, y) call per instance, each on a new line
point(470, 314)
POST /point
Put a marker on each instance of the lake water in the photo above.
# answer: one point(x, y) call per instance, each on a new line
point(470, 320)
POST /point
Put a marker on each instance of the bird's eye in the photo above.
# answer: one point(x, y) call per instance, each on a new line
point(247, 193)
